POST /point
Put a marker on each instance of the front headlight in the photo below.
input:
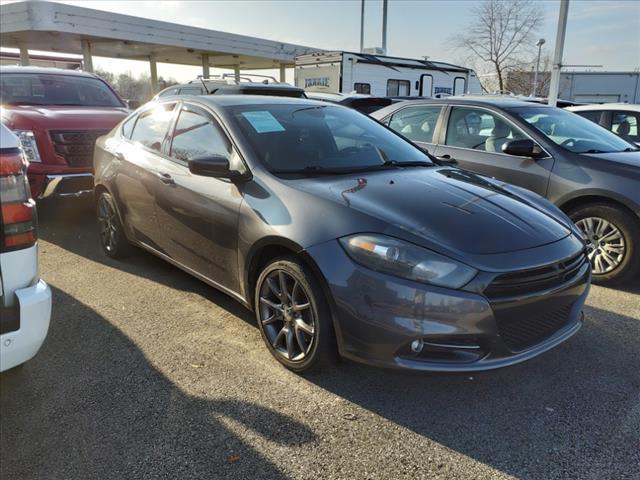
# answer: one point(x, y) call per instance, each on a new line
point(29, 145)
point(403, 259)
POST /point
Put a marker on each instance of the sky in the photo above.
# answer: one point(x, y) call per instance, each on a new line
point(603, 33)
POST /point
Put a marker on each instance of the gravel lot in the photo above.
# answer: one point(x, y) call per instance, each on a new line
point(149, 373)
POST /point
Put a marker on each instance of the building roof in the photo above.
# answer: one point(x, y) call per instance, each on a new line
point(320, 56)
point(45, 70)
point(61, 28)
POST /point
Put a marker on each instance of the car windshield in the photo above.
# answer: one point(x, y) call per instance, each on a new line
point(55, 89)
point(304, 138)
point(571, 131)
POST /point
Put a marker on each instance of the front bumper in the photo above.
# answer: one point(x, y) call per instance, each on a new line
point(34, 311)
point(63, 185)
point(377, 317)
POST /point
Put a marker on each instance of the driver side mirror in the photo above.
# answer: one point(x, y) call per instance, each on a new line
point(523, 148)
point(213, 166)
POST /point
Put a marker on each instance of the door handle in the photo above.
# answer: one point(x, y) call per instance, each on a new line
point(446, 158)
point(118, 155)
point(166, 179)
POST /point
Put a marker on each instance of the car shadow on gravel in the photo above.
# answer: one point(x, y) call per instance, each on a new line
point(96, 408)
point(73, 227)
point(573, 412)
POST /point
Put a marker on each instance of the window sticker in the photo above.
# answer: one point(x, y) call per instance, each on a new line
point(263, 122)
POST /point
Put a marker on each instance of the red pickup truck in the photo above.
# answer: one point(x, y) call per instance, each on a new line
point(57, 115)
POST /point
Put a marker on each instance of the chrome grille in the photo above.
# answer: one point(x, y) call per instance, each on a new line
point(76, 146)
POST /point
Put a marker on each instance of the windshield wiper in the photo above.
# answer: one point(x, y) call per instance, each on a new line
point(410, 163)
point(312, 169)
point(316, 170)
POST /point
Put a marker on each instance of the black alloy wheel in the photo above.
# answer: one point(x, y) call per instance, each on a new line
point(293, 315)
point(112, 238)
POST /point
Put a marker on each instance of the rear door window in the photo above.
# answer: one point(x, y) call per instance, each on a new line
point(625, 125)
point(191, 91)
point(416, 123)
point(166, 93)
point(152, 125)
point(594, 116)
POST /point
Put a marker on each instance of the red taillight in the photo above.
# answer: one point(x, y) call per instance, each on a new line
point(20, 240)
point(17, 209)
point(11, 164)
point(17, 212)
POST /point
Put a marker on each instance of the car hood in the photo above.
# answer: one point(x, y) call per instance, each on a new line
point(452, 208)
point(624, 158)
point(64, 117)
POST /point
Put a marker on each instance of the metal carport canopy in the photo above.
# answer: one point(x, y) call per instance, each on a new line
point(49, 26)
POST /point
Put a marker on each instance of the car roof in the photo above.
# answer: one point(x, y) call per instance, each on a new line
point(46, 70)
point(236, 100)
point(259, 86)
point(606, 106)
point(480, 100)
point(336, 96)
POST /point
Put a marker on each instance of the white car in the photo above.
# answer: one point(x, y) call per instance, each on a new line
point(623, 119)
point(25, 299)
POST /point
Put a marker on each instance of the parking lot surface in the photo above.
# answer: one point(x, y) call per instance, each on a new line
point(149, 373)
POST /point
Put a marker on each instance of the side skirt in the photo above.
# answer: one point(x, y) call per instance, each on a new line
point(199, 276)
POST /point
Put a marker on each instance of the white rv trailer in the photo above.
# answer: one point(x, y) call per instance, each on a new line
point(383, 76)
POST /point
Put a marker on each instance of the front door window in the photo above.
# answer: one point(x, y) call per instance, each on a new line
point(479, 129)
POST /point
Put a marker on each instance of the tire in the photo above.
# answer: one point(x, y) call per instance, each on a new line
point(624, 237)
point(113, 241)
point(285, 331)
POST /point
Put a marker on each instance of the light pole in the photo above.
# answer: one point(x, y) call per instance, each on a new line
point(362, 26)
point(539, 44)
point(554, 83)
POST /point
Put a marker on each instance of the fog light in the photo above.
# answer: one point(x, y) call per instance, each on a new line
point(416, 345)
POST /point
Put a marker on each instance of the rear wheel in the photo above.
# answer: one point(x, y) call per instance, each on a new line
point(112, 238)
point(293, 316)
point(612, 237)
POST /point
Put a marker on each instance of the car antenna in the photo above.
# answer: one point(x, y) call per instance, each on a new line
point(204, 84)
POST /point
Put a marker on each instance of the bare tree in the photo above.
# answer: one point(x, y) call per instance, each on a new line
point(501, 33)
point(133, 88)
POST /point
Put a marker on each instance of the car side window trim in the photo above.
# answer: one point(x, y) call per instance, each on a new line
point(493, 112)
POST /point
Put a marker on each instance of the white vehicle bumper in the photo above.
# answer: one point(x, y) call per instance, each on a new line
point(34, 305)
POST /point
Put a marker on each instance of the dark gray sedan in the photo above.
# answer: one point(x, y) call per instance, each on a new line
point(341, 235)
point(587, 171)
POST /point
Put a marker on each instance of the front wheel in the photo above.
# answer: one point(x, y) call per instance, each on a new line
point(293, 316)
point(612, 237)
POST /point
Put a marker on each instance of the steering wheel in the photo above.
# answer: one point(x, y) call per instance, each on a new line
point(568, 141)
